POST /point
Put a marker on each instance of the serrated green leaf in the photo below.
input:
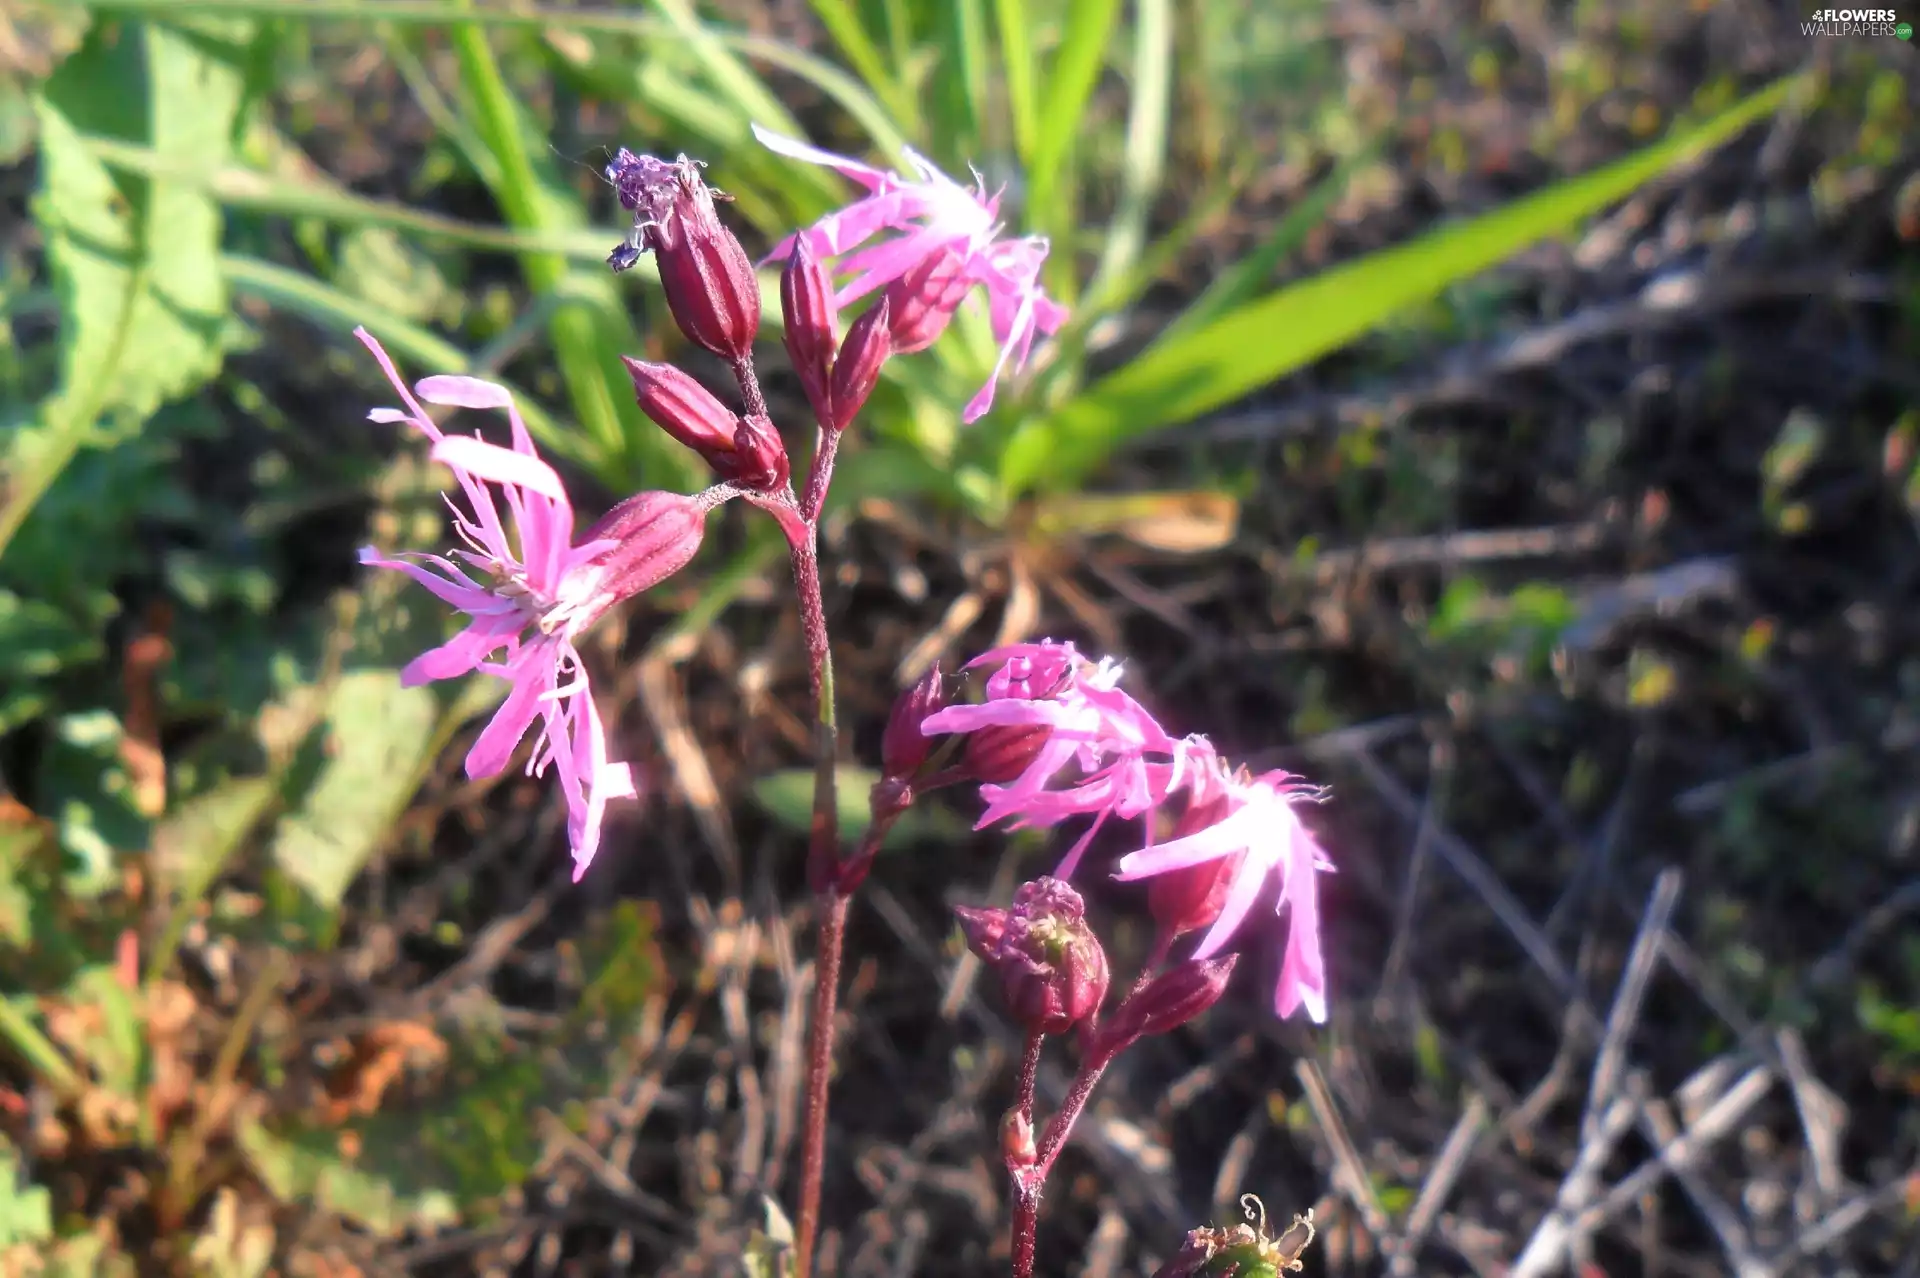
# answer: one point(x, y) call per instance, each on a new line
point(1262, 341)
point(144, 307)
point(379, 742)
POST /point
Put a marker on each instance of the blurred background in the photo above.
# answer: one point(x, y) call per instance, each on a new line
point(1502, 413)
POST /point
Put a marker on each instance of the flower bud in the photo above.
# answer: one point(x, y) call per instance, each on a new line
point(858, 366)
point(806, 302)
point(1052, 970)
point(760, 455)
point(997, 754)
point(921, 303)
point(708, 279)
point(682, 407)
point(1171, 1000)
point(1188, 900)
point(744, 450)
point(655, 535)
point(903, 747)
point(1242, 1251)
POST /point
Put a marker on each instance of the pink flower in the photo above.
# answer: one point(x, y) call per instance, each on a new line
point(1259, 821)
point(940, 223)
point(1125, 763)
point(535, 593)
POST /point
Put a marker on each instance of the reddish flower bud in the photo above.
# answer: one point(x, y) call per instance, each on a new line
point(709, 281)
point(1170, 1001)
point(743, 450)
point(759, 454)
point(655, 535)
point(806, 302)
point(1053, 973)
point(857, 368)
point(683, 408)
point(1188, 900)
point(921, 303)
point(903, 747)
point(996, 755)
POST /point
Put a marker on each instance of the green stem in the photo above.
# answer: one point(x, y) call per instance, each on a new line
point(38, 1050)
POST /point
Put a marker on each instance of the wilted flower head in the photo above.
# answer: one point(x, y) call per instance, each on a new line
point(1260, 830)
point(1049, 709)
point(1243, 1250)
point(535, 591)
point(1052, 969)
point(947, 241)
point(707, 276)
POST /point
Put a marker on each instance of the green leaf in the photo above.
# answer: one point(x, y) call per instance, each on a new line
point(194, 844)
point(1070, 81)
point(1265, 340)
point(144, 308)
point(26, 1210)
point(380, 738)
point(787, 797)
point(308, 1172)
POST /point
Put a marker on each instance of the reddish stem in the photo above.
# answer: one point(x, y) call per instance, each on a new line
point(813, 1140)
point(1026, 1186)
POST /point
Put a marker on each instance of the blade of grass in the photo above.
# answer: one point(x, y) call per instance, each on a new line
point(339, 313)
point(1257, 343)
point(1146, 150)
point(589, 337)
point(245, 188)
point(1070, 81)
point(858, 48)
point(966, 88)
point(1011, 19)
point(1242, 281)
point(844, 89)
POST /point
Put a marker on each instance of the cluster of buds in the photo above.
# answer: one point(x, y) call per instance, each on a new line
point(836, 375)
point(1051, 967)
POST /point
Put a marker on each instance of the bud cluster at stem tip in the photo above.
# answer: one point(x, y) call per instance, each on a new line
point(837, 376)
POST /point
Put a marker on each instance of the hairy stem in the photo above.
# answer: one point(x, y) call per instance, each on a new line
point(1026, 1188)
point(823, 849)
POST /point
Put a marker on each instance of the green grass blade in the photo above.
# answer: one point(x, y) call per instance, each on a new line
point(590, 335)
point(1070, 81)
point(1146, 148)
point(964, 129)
point(1011, 20)
point(1242, 281)
point(1255, 344)
point(844, 89)
point(864, 56)
point(327, 307)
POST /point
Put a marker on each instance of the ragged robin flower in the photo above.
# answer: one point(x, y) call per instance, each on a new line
point(531, 591)
point(947, 240)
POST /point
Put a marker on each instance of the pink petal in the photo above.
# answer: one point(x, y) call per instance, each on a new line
point(463, 392)
point(992, 714)
point(420, 417)
point(1303, 973)
point(460, 654)
point(1071, 861)
point(501, 736)
point(866, 175)
point(466, 597)
point(1198, 848)
point(500, 465)
point(1241, 892)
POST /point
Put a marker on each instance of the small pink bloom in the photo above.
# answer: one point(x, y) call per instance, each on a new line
point(937, 220)
point(535, 592)
point(1261, 826)
point(1125, 764)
